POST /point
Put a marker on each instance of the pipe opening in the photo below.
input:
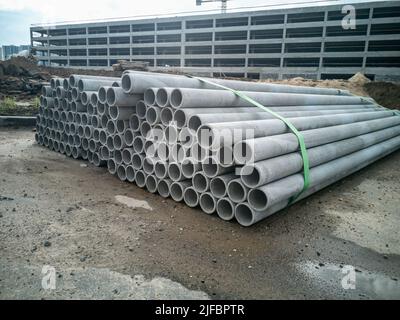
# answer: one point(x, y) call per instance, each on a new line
point(128, 137)
point(176, 98)
point(200, 182)
point(110, 143)
point(141, 109)
point(176, 191)
point(236, 191)
point(244, 215)
point(210, 167)
point(121, 172)
point(218, 187)
point(167, 116)
point(151, 184)
point(207, 203)
point(162, 97)
point(194, 123)
point(134, 122)
point(250, 176)
point(148, 166)
point(103, 95)
point(160, 169)
point(225, 209)
point(163, 189)
point(174, 171)
point(110, 96)
point(137, 161)
point(114, 112)
point(191, 197)
point(103, 136)
point(130, 174)
point(112, 167)
point(140, 179)
point(180, 118)
point(126, 83)
point(150, 97)
point(258, 199)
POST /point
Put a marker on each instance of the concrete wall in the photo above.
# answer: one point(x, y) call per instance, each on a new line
point(308, 42)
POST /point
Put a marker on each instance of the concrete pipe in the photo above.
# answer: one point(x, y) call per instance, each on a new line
point(226, 209)
point(153, 115)
point(138, 83)
point(122, 126)
point(93, 84)
point(145, 129)
point(197, 120)
point(130, 173)
point(151, 183)
point(219, 185)
point(197, 98)
point(177, 189)
point(166, 116)
point(91, 109)
point(199, 153)
point(212, 168)
point(103, 137)
point(84, 154)
point(191, 197)
point(178, 152)
point(48, 102)
point(117, 97)
point(237, 191)
point(215, 135)
point(111, 127)
point(90, 156)
point(76, 95)
point(94, 98)
point(101, 108)
point(135, 123)
point(77, 141)
point(140, 179)
point(149, 165)
point(121, 113)
point(74, 79)
point(161, 169)
point(266, 196)
point(121, 172)
point(85, 144)
point(105, 153)
point(201, 182)
point(80, 131)
point(61, 93)
point(138, 144)
point(137, 161)
point(127, 154)
point(150, 148)
point(208, 203)
point(88, 132)
point(119, 142)
point(163, 187)
point(141, 110)
point(225, 156)
point(266, 171)
point(255, 150)
point(150, 96)
point(189, 167)
point(68, 149)
point(102, 94)
point(112, 166)
point(55, 82)
point(110, 143)
point(47, 91)
point(129, 136)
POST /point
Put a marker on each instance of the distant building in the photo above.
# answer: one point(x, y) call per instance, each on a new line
point(311, 41)
point(1, 53)
point(8, 51)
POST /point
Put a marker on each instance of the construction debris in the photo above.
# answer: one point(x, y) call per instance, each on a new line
point(123, 65)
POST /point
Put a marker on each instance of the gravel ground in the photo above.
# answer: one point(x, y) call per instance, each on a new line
point(109, 239)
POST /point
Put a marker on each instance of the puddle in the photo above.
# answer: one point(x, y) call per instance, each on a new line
point(366, 283)
point(133, 203)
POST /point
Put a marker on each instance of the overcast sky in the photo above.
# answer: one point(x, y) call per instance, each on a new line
point(16, 16)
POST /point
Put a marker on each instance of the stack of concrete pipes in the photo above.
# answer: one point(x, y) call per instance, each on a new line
point(194, 142)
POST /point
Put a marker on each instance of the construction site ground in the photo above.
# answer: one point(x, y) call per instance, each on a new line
point(108, 239)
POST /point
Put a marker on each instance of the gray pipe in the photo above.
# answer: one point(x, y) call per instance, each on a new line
point(137, 161)
point(266, 171)
point(219, 185)
point(175, 172)
point(232, 132)
point(166, 116)
point(74, 79)
point(93, 84)
point(208, 203)
point(191, 197)
point(213, 168)
point(266, 196)
point(121, 113)
point(195, 121)
point(151, 183)
point(129, 136)
point(102, 94)
point(189, 167)
point(150, 96)
point(255, 150)
point(199, 98)
point(139, 82)
point(161, 169)
point(237, 191)
point(140, 179)
point(153, 115)
point(149, 165)
point(141, 109)
point(86, 96)
point(127, 154)
point(163, 187)
point(138, 144)
point(112, 166)
point(130, 173)
point(201, 182)
point(163, 97)
point(226, 209)
point(135, 123)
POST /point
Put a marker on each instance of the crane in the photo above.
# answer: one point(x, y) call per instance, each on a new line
point(223, 4)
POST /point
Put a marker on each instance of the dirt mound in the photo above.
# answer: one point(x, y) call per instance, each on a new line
point(386, 94)
point(359, 79)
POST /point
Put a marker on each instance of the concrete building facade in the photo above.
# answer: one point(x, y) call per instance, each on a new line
point(317, 42)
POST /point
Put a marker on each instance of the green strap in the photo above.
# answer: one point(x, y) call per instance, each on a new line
point(300, 138)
